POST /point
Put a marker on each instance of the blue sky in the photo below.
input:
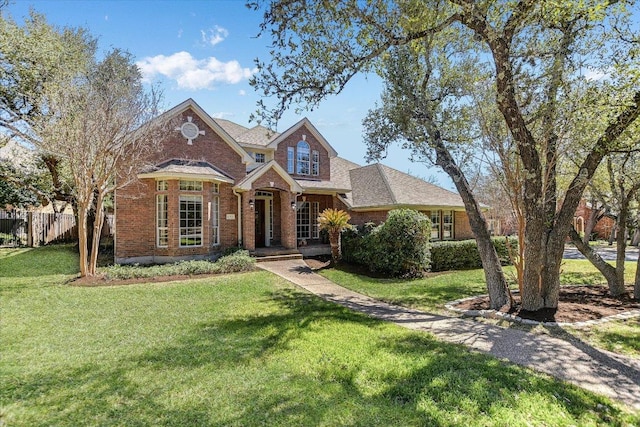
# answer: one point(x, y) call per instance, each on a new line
point(205, 50)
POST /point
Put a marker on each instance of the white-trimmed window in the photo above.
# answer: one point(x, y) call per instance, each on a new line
point(259, 157)
point(215, 214)
point(190, 185)
point(303, 223)
point(315, 163)
point(435, 225)
point(447, 225)
point(303, 158)
point(162, 185)
point(290, 159)
point(190, 220)
point(162, 221)
point(315, 212)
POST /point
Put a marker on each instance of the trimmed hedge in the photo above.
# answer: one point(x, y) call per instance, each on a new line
point(398, 247)
point(237, 261)
point(464, 254)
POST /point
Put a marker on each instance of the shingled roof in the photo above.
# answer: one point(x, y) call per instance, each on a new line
point(186, 169)
point(255, 136)
point(379, 186)
point(340, 180)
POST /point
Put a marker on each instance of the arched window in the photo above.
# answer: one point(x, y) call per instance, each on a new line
point(303, 159)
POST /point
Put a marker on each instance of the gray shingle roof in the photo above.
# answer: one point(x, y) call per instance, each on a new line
point(233, 129)
point(187, 168)
point(378, 185)
point(340, 179)
point(257, 135)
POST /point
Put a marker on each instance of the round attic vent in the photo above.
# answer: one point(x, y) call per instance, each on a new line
point(189, 130)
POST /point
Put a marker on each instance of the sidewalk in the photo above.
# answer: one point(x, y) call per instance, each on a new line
point(576, 362)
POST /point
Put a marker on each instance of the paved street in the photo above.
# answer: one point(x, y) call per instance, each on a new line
point(606, 252)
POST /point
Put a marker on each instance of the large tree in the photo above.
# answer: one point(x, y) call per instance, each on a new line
point(533, 53)
point(88, 119)
point(34, 56)
point(103, 130)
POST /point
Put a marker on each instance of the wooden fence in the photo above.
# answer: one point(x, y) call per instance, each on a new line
point(27, 228)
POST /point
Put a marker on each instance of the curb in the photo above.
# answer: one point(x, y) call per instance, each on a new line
point(493, 314)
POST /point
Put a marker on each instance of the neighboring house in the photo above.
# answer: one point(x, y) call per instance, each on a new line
point(602, 229)
point(217, 184)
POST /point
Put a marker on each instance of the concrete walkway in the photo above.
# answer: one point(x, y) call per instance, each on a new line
point(576, 362)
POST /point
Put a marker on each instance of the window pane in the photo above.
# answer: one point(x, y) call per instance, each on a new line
point(447, 224)
point(315, 214)
point(290, 156)
point(162, 185)
point(190, 220)
point(259, 157)
point(304, 225)
point(302, 160)
point(315, 165)
point(162, 230)
point(191, 185)
point(215, 221)
point(435, 225)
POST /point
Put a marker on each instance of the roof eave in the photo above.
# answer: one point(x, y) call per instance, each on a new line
point(178, 175)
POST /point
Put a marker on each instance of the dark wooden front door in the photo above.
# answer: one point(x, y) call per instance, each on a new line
point(260, 223)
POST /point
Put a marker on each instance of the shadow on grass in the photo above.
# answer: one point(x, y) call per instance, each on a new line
point(425, 383)
point(241, 340)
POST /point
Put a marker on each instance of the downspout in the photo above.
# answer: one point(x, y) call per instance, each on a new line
point(239, 196)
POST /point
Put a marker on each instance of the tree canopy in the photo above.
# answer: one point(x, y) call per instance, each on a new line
point(536, 61)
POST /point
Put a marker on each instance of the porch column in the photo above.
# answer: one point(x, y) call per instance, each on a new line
point(288, 220)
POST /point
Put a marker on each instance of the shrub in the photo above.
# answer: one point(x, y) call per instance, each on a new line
point(398, 247)
point(236, 262)
point(464, 254)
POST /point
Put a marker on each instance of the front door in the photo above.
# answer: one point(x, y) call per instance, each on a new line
point(260, 223)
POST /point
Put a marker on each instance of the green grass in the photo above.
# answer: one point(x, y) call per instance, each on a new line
point(621, 336)
point(433, 292)
point(245, 350)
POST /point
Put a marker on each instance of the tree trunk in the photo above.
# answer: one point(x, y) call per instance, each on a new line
point(607, 270)
point(83, 213)
point(612, 235)
point(499, 294)
point(636, 284)
point(621, 248)
point(97, 233)
point(334, 241)
point(595, 216)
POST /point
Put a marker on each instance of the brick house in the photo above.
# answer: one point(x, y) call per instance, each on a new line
point(217, 184)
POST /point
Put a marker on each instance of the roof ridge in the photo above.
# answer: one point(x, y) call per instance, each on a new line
point(386, 182)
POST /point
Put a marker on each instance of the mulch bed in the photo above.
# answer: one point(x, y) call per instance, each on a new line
point(578, 303)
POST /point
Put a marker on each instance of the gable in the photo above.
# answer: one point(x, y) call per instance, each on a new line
point(306, 126)
point(189, 107)
point(270, 167)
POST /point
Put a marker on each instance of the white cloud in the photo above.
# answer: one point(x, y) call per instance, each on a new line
point(222, 115)
point(192, 73)
point(214, 35)
point(242, 92)
point(180, 33)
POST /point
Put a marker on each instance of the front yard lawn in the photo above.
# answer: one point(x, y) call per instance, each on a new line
point(245, 350)
point(433, 292)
